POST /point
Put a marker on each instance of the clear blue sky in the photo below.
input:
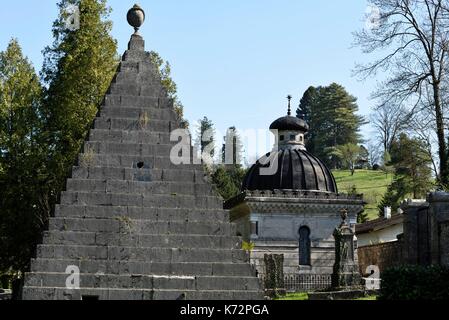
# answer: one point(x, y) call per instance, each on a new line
point(234, 61)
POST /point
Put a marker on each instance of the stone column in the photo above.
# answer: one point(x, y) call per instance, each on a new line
point(439, 228)
point(346, 271)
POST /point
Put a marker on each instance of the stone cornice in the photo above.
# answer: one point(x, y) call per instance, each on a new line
point(302, 207)
point(292, 197)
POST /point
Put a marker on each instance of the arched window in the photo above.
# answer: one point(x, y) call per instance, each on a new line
point(304, 246)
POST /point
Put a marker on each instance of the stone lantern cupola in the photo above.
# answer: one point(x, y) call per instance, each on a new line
point(290, 130)
point(293, 167)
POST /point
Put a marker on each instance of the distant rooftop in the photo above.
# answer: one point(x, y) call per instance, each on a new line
point(379, 224)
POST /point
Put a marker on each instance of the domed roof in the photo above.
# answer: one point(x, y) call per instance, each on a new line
point(290, 123)
point(297, 170)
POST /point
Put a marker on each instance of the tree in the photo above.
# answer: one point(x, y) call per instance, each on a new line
point(232, 150)
point(228, 180)
point(423, 129)
point(205, 138)
point(23, 211)
point(374, 154)
point(411, 161)
point(307, 106)
point(363, 159)
point(332, 115)
point(228, 177)
point(412, 173)
point(164, 69)
point(411, 37)
point(389, 121)
point(396, 192)
point(349, 154)
point(78, 69)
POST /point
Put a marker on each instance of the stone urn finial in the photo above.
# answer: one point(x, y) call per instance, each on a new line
point(136, 17)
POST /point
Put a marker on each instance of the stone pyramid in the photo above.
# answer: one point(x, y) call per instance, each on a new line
point(137, 226)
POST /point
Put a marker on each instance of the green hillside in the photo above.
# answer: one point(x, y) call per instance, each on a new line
point(372, 184)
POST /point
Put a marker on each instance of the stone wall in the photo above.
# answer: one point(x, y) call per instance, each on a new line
point(322, 257)
point(383, 255)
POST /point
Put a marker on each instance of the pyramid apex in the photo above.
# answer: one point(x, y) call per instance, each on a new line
point(136, 18)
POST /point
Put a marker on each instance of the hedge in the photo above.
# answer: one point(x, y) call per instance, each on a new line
point(415, 283)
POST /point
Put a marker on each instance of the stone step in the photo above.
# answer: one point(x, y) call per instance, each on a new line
point(100, 147)
point(138, 89)
point(123, 136)
point(130, 161)
point(151, 200)
point(125, 225)
point(136, 113)
point(136, 124)
point(140, 175)
point(133, 76)
point(137, 62)
point(137, 187)
point(145, 282)
point(166, 255)
point(45, 293)
point(139, 267)
point(137, 101)
point(141, 240)
point(141, 213)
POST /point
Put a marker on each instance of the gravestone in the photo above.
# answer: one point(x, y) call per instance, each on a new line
point(274, 275)
point(346, 271)
point(135, 225)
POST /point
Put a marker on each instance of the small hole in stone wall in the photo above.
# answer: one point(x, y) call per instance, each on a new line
point(140, 165)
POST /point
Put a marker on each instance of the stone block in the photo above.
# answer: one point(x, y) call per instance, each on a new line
point(228, 283)
point(122, 89)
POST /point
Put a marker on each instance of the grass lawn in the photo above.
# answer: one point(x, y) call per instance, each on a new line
point(294, 296)
point(304, 296)
point(369, 298)
point(372, 184)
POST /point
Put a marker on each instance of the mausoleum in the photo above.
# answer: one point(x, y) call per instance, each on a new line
point(290, 204)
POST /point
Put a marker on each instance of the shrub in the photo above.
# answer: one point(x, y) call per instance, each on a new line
point(415, 283)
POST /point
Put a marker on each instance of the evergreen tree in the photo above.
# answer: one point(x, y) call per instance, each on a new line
point(228, 177)
point(413, 175)
point(411, 161)
point(332, 116)
point(232, 150)
point(77, 71)
point(395, 194)
point(206, 137)
point(228, 180)
point(305, 112)
point(23, 211)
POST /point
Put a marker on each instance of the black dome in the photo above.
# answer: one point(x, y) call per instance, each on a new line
point(297, 170)
point(290, 123)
